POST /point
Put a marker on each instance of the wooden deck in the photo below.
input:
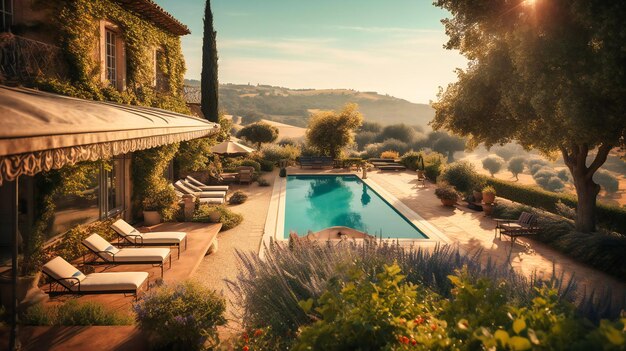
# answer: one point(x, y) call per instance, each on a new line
point(200, 238)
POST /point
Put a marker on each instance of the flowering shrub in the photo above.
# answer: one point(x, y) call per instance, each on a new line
point(228, 218)
point(181, 317)
point(390, 154)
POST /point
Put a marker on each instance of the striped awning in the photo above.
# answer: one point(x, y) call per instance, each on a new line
point(43, 131)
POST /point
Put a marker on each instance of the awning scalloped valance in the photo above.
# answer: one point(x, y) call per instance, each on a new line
point(42, 131)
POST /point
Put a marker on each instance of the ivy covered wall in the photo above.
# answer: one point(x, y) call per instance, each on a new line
point(78, 26)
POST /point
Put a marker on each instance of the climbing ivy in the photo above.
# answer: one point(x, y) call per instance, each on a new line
point(78, 22)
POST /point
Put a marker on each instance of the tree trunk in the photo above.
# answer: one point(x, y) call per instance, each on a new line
point(587, 190)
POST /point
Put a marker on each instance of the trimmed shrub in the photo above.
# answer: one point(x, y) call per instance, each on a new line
point(462, 176)
point(262, 182)
point(238, 197)
point(493, 164)
point(446, 192)
point(389, 154)
point(610, 217)
point(607, 181)
point(73, 312)
point(250, 163)
point(181, 317)
point(434, 163)
point(275, 153)
point(536, 162)
point(228, 218)
point(410, 160)
point(516, 165)
point(266, 166)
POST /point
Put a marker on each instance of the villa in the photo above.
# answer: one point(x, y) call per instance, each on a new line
point(115, 188)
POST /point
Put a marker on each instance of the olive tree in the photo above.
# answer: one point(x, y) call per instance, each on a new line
point(493, 164)
point(330, 131)
point(259, 133)
point(516, 166)
point(547, 74)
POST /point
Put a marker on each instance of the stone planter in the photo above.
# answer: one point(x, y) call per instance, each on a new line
point(489, 197)
point(448, 202)
point(151, 218)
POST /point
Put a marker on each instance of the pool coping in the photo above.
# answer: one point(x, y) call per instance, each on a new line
point(275, 221)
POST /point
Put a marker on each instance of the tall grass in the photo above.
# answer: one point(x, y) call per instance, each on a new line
point(268, 291)
point(73, 312)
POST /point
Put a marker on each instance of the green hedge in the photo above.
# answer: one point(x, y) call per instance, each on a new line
point(610, 217)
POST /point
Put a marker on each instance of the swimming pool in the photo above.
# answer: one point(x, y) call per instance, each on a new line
point(315, 202)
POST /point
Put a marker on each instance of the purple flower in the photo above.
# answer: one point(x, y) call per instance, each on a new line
point(180, 319)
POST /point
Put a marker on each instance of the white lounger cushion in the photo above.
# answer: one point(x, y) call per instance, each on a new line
point(211, 200)
point(111, 281)
point(106, 251)
point(122, 227)
point(58, 268)
point(201, 186)
point(201, 194)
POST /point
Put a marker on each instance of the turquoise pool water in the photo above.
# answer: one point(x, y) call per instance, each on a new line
point(315, 202)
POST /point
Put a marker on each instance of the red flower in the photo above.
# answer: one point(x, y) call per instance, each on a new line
point(258, 332)
point(405, 340)
point(245, 348)
point(419, 320)
point(413, 342)
point(433, 327)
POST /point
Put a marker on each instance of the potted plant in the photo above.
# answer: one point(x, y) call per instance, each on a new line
point(158, 198)
point(489, 194)
point(447, 194)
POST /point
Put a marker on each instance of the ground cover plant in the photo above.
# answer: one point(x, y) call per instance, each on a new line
point(306, 296)
point(73, 312)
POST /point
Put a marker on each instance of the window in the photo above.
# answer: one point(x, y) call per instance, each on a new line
point(114, 179)
point(111, 57)
point(7, 14)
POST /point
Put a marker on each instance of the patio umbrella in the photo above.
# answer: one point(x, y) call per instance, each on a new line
point(231, 148)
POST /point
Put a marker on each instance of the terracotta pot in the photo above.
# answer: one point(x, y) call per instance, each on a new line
point(478, 196)
point(448, 202)
point(489, 197)
point(215, 216)
point(488, 208)
point(151, 218)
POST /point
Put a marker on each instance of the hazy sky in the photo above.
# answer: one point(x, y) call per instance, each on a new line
point(393, 46)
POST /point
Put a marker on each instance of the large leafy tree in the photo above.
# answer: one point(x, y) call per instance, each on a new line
point(259, 133)
point(330, 131)
point(208, 78)
point(549, 74)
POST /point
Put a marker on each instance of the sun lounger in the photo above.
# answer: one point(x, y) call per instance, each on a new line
point(392, 167)
point(203, 187)
point(106, 253)
point(72, 281)
point(525, 225)
point(185, 189)
point(203, 200)
point(133, 237)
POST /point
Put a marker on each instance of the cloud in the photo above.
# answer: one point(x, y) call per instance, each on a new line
point(398, 30)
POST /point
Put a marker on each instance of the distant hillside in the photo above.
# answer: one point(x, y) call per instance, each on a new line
point(293, 106)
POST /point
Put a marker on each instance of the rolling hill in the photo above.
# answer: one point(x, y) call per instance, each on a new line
point(294, 106)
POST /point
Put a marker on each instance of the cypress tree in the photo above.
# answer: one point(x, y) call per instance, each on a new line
point(209, 84)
